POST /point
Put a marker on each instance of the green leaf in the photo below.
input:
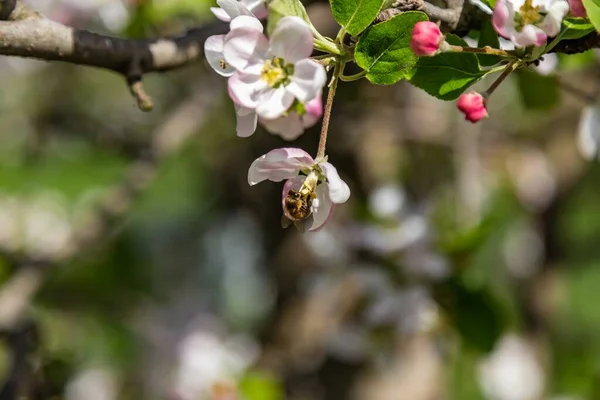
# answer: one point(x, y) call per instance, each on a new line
point(283, 8)
point(538, 92)
point(355, 15)
point(383, 49)
point(447, 75)
point(592, 7)
point(575, 28)
point(488, 37)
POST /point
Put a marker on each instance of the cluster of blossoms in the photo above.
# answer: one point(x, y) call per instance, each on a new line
point(526, 23)
point(273, 81)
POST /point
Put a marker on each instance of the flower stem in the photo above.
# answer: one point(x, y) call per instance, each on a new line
point(507, 71)
point(327, 46)
point(327, 111)
point(481, 50)
point(354, 77)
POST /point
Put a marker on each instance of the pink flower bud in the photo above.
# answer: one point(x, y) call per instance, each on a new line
point(426, 39)
point(577, 9)
point(472, 104)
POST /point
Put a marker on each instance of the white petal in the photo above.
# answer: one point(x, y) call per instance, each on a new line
point(289, 127)
point(233, 8)
point(292, 39)
point(529, 36)
point(243, 111)
point(220, 14)
point(245, 21)
point(246, 124)
point(547, 65)
point(257, 7)
point(588, 132)
point(308, 80)
point(213, 51)
point(272, 103)
point(323, 208)
point(245, 49)
point(339, 192)
point(553, 20)
point(279, 164)
point(243, 89)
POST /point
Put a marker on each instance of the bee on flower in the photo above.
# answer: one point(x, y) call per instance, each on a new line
point(312, 187)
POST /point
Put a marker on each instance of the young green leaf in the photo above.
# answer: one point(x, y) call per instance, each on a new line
point(383, 49)
point(355, 15)
point(447, 75)
point(283, 8)
point(592, 7)
point(575, 28)
point(488, 37)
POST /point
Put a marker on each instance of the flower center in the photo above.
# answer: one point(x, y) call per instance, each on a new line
point(527, 15)
point(276, 72)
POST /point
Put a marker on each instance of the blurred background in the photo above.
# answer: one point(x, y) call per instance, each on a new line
point(466, 264)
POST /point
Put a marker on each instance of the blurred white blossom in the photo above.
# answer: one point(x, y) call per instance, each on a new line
point(512, 371)
point(387, 201)
point(92, 384)
point(210, 365)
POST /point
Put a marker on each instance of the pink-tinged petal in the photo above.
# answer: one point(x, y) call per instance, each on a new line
point(292, 39)
point(553, 20)
point(245, 21)
point(529, 36)
point(339, 192)
point(243, 89)
point(502, 18)
point(308, 80)
point(322, 208)
point(213, 51)
point(314, 107)
point(246, 121)
point(288, 128)
point(220, 14)
point(472, 104)
point(257, 7)
point(245, 49)
point(272, 103)
point(279, 164)
point(426, 39)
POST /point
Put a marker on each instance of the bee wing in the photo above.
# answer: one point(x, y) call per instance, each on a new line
point(285, 222)
point(300, 226)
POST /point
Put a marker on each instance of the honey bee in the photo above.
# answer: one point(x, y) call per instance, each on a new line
point(298, 203)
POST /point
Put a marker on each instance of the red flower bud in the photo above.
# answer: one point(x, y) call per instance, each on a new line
point(472, 104)
point(426, 39)
point(577, 9)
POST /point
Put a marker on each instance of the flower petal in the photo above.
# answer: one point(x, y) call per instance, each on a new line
point(292, 39)
point(308, 80)
point(257, 7)
point(233, 8)
point(279, 164)
point(245, 49)
point(529, 36)
point(220, 14)
point(272, 103)
point(553, 20)
point(244, 89)
point(246, 120)
point(245, 21)
point(502, 18)
point(339, 192)
point(289, 127)
point(213, 51)
point(323, 208)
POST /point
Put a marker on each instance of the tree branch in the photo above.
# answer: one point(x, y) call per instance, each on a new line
point(26, 33)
